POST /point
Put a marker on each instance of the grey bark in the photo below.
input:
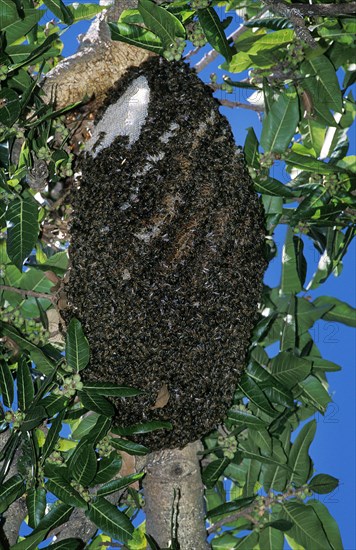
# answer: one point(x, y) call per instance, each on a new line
point(97, 65)
point(174, 491)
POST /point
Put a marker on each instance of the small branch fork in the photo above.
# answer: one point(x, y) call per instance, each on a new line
point(249, 511)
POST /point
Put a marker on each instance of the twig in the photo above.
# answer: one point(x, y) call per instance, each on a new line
point(213, 54)
point(229, 103)
point(192, 52)
point(247, 512)
point(31, 293)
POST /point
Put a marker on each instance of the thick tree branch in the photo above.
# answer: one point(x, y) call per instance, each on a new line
point(97, 65)
point(322, 10)
point(174, 474)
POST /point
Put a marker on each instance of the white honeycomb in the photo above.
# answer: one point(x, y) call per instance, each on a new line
point(123, 118)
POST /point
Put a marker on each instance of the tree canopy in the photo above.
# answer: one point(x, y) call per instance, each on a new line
point(59, 452)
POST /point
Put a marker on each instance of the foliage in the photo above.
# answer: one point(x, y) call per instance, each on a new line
point(308, 111)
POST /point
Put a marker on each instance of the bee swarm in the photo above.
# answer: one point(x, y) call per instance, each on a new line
point(167, 256)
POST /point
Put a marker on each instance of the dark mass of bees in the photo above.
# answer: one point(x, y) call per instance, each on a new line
point(167, 259)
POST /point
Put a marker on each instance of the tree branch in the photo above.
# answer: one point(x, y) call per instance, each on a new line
point(232, 104)
point(97, 65)
point(322, 10)
point(25, 293)
point(248, 512)
point(167, 472)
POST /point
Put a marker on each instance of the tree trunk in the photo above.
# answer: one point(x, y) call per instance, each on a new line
point(174, 498)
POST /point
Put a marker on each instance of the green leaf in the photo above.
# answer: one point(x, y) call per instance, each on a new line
point(25, 389)
point(77, 347)
point(43, 363)
point(290, 281)
point(301, 263)
point(108, 467)
point(315, 393)
point(263, 440)
point(129, 446)
point(245, 419)
point(288, 336)
point(8, 13)
point(326, 89)
point(96, 403)
point(83, 465)
point(147, 427)
point(280, 123)
point(99, 431)
point(161, 22)
point(118, 484)
point(65, 544)
point(330, 526)
point(270, 186)
point(57, 515)
point(252, 155)
point(250, 450)
point(54, 404)
point(248, 542)
point(36, 505)
point(254, 393)
point(214, 31)
point(272, 388)
point(271, 539)
point(82, 12)
point(52, 435)
point(10, 491)
point(31, 542)
point(299, 460)
point(309, 163)
point(230, 506)
point(33, 418)
point(307, 314)
point(10, 107)
point(213, 471)
point(323, 484)
point(6, 384)
point(23, 230)
point(57, 263)
point(323, 364)
point(289, 369)
point(136, 36)
point(340, 312)
point(110, 520)
point(19, 28)
point(110, 390)
point(60, 10)
point(307, 529)
point(65, 492)
point(274, 476)
point(85, 426)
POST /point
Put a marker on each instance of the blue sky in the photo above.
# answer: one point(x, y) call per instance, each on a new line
point(333, 450)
